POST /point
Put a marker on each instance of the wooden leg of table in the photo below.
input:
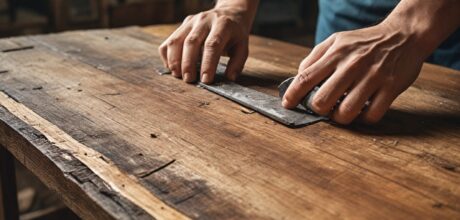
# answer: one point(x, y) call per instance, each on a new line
point(8, 192)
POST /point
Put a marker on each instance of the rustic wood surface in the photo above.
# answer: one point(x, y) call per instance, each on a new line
point(88, 114)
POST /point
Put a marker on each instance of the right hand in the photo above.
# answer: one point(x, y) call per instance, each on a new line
point(211, 34)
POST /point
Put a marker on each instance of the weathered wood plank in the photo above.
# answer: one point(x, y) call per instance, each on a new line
point(215, 161)
point(62, 172)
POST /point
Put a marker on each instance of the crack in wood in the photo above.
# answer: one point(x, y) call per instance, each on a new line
point(188, 197)
point(17, 49)
point(152, 171)
point(9, 95)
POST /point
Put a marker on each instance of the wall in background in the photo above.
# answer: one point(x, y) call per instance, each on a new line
point(288, 20)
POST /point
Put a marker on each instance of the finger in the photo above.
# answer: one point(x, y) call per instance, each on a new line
point(334, 88)
point(317, 52)
point(174, 54)
point(175, 45)
point(212, 51)
point(163, 54)
point(307, 79)
point(238, 57)
point(379, 105)
point(354, 102)
point(191, 52)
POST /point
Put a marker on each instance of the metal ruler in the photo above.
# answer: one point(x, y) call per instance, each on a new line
point(262, 103)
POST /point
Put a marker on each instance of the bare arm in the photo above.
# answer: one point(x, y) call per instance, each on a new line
point(429, 22)
point(373, 64)
point(210, 34)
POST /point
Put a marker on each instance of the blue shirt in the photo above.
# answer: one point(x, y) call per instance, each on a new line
point(343, 15)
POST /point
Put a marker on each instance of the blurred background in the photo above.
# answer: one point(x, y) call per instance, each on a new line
point(288, 20)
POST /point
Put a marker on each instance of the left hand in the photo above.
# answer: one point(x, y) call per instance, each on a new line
point(373, 64)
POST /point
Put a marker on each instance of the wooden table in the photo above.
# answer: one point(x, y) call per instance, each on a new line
point(87, 113)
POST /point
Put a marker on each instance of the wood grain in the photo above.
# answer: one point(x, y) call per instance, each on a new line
point(98, 163)
point(100, 91)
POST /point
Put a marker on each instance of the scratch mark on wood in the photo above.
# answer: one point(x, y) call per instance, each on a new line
point(203, 103)
point(187, 197)
point(150, 172)
point(112, 94)
point(3, 71)
point(102, 157)
point(17, 49)
point(37, 88)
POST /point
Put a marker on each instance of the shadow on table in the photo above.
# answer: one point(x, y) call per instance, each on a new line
point(402, 123)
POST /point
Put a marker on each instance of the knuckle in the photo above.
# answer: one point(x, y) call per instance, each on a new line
point(188, 18)
point(174, 65)
point(213, 42)
point(304, 78)
point(372, 117)
point(335, 35)
point(161, 49)
point(201, 15)
point(346, 109)
point(345, 114)
point(225, 20)
point(191, 40)
point(187, 65)
point(340, 48)
point(172, 41)
point(163, 46)
point(319, 105)
point(288, 98)
point(342, 120)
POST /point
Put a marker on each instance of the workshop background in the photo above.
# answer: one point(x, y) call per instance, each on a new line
point(288, 20)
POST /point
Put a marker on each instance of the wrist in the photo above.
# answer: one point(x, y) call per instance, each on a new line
point(425, 24)
point(243, 10)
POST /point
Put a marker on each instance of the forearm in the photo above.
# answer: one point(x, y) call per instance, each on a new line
point(246, 8)
point(428, 22)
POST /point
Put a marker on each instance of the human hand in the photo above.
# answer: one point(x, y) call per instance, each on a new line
point(374, 64)
point(208, 35)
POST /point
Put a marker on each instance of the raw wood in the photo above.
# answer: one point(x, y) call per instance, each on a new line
point(100, 92)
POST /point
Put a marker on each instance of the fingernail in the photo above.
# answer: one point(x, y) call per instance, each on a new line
point(186, 77)
point(205, 78)
point(232, 77)
point(174, 73)
point(284, 103)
